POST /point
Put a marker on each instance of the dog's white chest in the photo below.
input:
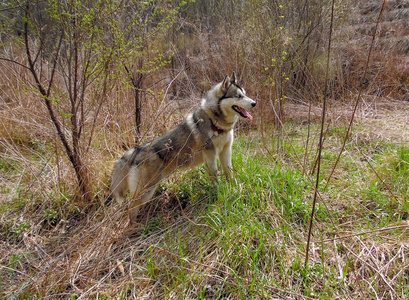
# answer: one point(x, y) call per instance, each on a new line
point(220, 140)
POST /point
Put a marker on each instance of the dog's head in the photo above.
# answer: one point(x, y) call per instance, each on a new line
point(232, 99)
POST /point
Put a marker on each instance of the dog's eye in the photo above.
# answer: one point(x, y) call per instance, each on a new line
point(240, 96)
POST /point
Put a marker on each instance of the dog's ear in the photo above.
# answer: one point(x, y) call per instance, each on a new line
point(233, 79)
point(225, 84)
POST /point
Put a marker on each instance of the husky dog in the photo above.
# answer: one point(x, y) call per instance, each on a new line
point(205, 135)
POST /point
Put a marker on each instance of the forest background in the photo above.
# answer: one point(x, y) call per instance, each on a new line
point(83, 80)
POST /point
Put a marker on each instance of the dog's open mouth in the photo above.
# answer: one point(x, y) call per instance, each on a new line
point(242, 112)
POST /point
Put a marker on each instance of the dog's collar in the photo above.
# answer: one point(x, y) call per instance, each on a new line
point(216, 129)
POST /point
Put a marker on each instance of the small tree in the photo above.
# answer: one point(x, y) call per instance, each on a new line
point(150, 21)
point(66, 53)
point(74, 48)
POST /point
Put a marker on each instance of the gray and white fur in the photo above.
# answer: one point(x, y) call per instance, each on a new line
point(205, 135)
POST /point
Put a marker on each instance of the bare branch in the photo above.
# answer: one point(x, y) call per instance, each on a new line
point(14, 62)
point(321, 135)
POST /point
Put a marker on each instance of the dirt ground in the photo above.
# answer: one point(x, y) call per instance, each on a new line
point(385, 119)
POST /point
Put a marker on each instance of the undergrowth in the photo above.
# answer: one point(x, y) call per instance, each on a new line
point(239, 239)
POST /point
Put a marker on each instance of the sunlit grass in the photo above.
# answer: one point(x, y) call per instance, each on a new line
point(241, 238)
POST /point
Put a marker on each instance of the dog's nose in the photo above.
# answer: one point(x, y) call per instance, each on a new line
point(253, 104)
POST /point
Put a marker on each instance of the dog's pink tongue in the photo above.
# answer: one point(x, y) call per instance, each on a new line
point(245, 113)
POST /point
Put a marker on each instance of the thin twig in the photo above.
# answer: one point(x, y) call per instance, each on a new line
point(359, 93)
point(366, 232)
point(378, 176)
point(14, 62)
point(321, 135)
point(13, 270)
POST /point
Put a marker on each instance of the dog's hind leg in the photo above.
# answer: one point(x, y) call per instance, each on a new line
point(142, 187)
point(134, 208)
point(119, 181)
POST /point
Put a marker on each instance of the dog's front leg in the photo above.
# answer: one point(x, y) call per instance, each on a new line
point(210, 160)
point(225, 159)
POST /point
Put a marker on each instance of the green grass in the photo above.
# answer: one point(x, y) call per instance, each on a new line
point(239, 239)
